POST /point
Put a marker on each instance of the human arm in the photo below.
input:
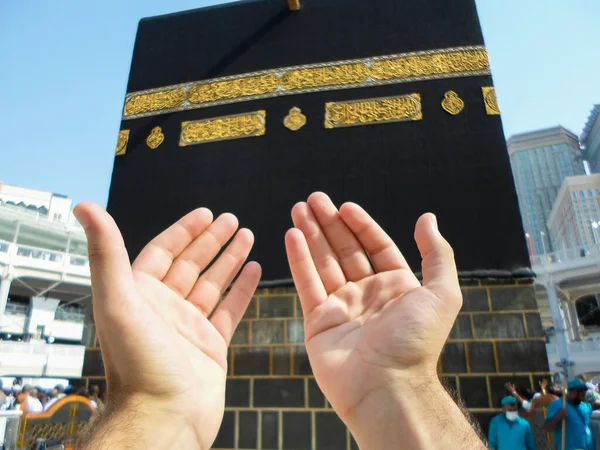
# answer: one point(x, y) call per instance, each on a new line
point(556, 413)
point(162, 331)
point(513, 391)
point(374, 333)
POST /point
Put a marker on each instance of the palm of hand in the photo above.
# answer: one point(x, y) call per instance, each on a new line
point(162, 330)
point(363, 329)
point(374, 339)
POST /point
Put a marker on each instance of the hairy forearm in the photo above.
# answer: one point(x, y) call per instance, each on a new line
point(418, 417)
point(139, 427)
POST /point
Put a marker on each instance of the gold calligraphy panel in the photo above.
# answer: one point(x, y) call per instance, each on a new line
point(373, 111)
point(223, 128)
point(490, 100)
point(432, 64)
point(156, 101)
point(320, 77)
point(337, 75)
point(240, 87)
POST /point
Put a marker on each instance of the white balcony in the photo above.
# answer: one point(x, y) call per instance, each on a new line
point(35, 261)
point(37, 359)
point(585, 355)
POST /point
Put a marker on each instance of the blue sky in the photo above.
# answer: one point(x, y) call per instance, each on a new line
point(64, 66)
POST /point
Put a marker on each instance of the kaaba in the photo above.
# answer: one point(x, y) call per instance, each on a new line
point(248, 107)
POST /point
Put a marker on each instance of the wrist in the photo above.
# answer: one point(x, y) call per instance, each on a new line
point(140, 421)
point(415, 412)
point(388, 412)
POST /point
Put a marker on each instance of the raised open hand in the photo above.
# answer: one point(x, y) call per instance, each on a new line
point(371, 327)
point(162, 331)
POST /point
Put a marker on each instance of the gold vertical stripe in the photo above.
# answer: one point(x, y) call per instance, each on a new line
point(259, 430)
point(306, 400)
point(236, 429)
point(489, 389)
point(467, 357)
point(313, 431)
point(280, 429)
point(496, 357)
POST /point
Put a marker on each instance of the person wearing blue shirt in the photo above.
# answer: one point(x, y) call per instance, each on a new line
point(576, 413)
point(508, 431)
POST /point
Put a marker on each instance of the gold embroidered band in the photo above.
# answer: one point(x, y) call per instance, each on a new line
point(373, 71)
point(490, 100)
point(122, 142)
point(372, 111)
point(223, 128)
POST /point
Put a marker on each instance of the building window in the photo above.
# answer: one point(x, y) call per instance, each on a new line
point(590, 193)
point(581, 194)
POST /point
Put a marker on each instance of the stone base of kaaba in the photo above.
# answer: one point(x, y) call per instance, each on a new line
point(273, 401)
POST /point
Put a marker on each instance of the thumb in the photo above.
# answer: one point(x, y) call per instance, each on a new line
point(109, 263)
point(438, 266)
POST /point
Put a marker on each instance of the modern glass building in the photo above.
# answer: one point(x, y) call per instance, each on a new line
point(590, 139)
point(540, 161)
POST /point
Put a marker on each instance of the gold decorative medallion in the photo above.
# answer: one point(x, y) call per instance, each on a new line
point(295, 119)
point(376, 70)
point(372, 111)
point(155, 138)
point(490, 100)
point(223, 128)
point(122, 142)
point(452, 103)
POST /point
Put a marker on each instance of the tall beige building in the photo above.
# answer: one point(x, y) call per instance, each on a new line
point(575, 217)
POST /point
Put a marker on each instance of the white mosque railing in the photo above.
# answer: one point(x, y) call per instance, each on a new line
point(43, 259)
point(583, 255)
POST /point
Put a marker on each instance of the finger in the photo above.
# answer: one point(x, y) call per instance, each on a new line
point(186, 268)
point(157, 257)
point(438, 266)
point(323, 256)
point(383, 253)
point(112, 280)
point(208, 289)
point(304, 272)
point(231, 310)
point(349, 252)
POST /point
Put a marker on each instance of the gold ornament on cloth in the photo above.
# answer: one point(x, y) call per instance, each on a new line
point(373, 111)
point(122, 142)
point(490, 100)
point(223, 128)
point(295, 119)
point(376, 70)
point(452, 103)
point(155, 138)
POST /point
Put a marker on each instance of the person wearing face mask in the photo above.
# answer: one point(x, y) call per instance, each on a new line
point(576, 413)
point(508, 431)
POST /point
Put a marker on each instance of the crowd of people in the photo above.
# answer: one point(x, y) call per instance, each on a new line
point(570, 414)
point(35, 399)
